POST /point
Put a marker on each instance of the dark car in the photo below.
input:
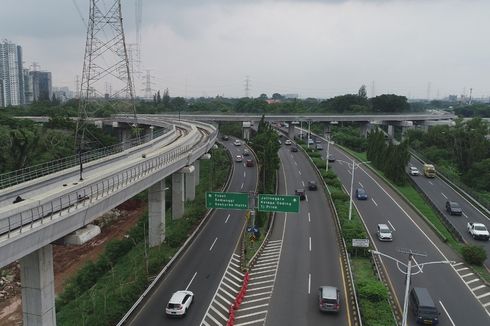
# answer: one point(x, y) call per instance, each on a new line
point(300, 193)
point(361, 194)
point(318, 147)
point(294, 149)
point(249, 163)
point(453, 208)
point(331, 158)
point(312, 185)
point(423, 307)
point(225, 137)
point(246, 152)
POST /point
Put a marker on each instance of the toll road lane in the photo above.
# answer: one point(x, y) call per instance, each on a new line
point(310, 256)
point(202, 266)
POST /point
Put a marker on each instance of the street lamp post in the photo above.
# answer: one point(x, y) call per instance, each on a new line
point(328, 154)
point(309, 135)
point(409, 273)
point(354, 166)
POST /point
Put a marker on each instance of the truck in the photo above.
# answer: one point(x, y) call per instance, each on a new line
point(429, 170)
point(478, 231)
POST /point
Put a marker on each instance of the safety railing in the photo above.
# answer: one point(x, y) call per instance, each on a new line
point(41, 212)
point(13, 178)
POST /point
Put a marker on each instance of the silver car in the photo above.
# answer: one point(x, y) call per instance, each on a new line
point(384, 233)
point(329, 299)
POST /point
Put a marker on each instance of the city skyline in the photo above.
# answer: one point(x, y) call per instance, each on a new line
point(419, 49)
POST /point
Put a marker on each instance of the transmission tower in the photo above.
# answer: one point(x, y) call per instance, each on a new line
point(148, 90)
point(247, 86)
point(105, 62)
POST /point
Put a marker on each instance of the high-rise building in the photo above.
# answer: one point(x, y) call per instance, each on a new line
point(2, 91)
point(11, 74)
point(42, 89)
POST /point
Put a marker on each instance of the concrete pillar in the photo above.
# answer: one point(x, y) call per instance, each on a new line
point(196, 171)
point(290, 130)
point(246, 125)
point(190, 182)
point(391, 132)
point(150, 132)
point(125, 137)
point(365, 128)
point(156, 213)
point(37, 279)
point(177, 195)
point(327, 129)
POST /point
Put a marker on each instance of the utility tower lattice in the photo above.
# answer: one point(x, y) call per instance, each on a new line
point(148, 90)
point(106, 55)
point(247, 86)
point(105, 63)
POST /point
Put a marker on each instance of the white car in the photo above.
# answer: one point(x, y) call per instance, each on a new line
point(239, 158)
point(311, 141)
point(288, 142)
point(384, 233)
point(237, 142)
point(414, 171)
point(179, 303)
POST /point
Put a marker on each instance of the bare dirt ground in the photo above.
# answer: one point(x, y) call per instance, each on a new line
point(68, 259)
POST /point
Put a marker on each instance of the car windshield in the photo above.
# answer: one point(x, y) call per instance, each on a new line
point(384, 230)
point(361, 191)
point(480, 228)
point(428, 312)
point(454, 205)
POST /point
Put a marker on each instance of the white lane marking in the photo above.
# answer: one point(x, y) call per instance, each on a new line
point(241, 186)
point(348, 171)
point(192, 279)
point(465, 215)
point(450, 319)
point(443, 195)
point(309, 217)
point(309, 283)
point(296, 163)
point(306, 197)
point(211, 248)
point(299, 172)
point(303, 183)
point(310, 243)
point(226, 221)
point(483, 295)
point(361, 184)
point(430, 182)
point(391, 225)
point(417, 264)
point(244, 174)
point(375, 203)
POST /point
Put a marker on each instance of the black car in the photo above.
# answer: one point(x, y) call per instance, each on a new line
point(453, 208)
point(318, 147)
point(312, 185)
point(225, 137)
point(331, 158)
point(294, 149)
point(300, 193)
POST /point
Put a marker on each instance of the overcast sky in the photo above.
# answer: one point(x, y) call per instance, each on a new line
point(313, 48)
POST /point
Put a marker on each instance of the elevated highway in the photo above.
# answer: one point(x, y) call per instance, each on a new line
point(57, 204)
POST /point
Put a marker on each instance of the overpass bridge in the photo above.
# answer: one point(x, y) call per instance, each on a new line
point(367, 121)
point(56, 204)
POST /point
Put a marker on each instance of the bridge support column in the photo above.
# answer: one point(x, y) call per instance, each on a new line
point(37, 279)
point(177, 195)
point(365, 128)
point(391, 132)
point(290, 130)
point(190, 182)
point(150, 132)
point(327, 129)
point(156, 213)
point(197, 165)
point(246, 126)
point(125, 137)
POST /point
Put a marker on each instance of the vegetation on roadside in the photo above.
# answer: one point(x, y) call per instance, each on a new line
point(103, 290)
point(474, 255)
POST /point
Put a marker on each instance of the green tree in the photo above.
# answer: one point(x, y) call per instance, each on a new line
point(390, 103)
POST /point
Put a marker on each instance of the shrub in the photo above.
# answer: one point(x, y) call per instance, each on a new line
point(474, 255)
point(372, 290)
point(339, 195)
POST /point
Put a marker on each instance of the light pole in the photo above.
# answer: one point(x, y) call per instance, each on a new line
point(309, 135)
point(409, 273)
point(328, 154)
point(354, 166)
point(301, 130)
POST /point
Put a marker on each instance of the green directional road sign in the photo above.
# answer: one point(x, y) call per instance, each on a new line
point(278, 203)
point(226, 200)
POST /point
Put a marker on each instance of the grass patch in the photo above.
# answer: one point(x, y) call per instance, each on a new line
point(372, 294)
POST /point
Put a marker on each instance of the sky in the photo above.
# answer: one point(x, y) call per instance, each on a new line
point(313, 48)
